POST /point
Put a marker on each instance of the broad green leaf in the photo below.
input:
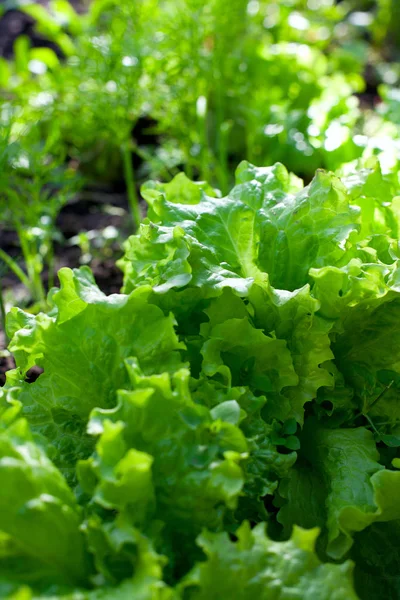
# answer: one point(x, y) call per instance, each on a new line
point(40, 537)
point(220, 234)
point(377, 558)
point(162, 457)
point(265, 464)
point(293, 316)
point(82, 350)
point(257, 567)
point(261, 226)
point(350, 489)
point(244, 355)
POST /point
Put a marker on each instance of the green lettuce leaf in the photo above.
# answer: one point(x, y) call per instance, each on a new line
point(257, 567)
point(162, 458)
point(242, 354)
point(82, 349)
point(293, 316)
point(261, 226)
point(339, 470)
point(121, 553)
point(250, 372)
point(377, 558)
point(266, 464)
point(266, 228)
point(40, 539)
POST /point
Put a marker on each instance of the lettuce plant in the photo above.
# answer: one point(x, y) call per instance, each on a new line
point(229, 424)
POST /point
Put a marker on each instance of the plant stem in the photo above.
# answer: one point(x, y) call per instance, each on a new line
point(50, 265)
point(223, 157)
point(202, 127)
point(189, 168)
point(129, 176)
point(31, 261)
point(372, 424)
point(363, 413)
point(3, 314)
point(37, 287)
point(221, 126)
point(15, 268)
point(381, 394)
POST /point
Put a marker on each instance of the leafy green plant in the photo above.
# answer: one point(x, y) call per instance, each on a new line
point(233, 88)
point(248, 373)
point(2, 305)
point(99, 93)
point(383, 25)
point(94, 96)
point(35, 183)
point(216, 86)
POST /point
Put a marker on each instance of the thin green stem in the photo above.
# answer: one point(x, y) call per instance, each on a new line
point(15, 268)
point(38, 289)
point(221, 149)
point(3, 314)
point(221, 126)
point(205, 154)
point(50, 265)
point(202, 127)
point(189, 168)
point(381, 394)
point(372, 424)
point(363, 413)
point(31, 261)
point(223, 157)
point(129, 176)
